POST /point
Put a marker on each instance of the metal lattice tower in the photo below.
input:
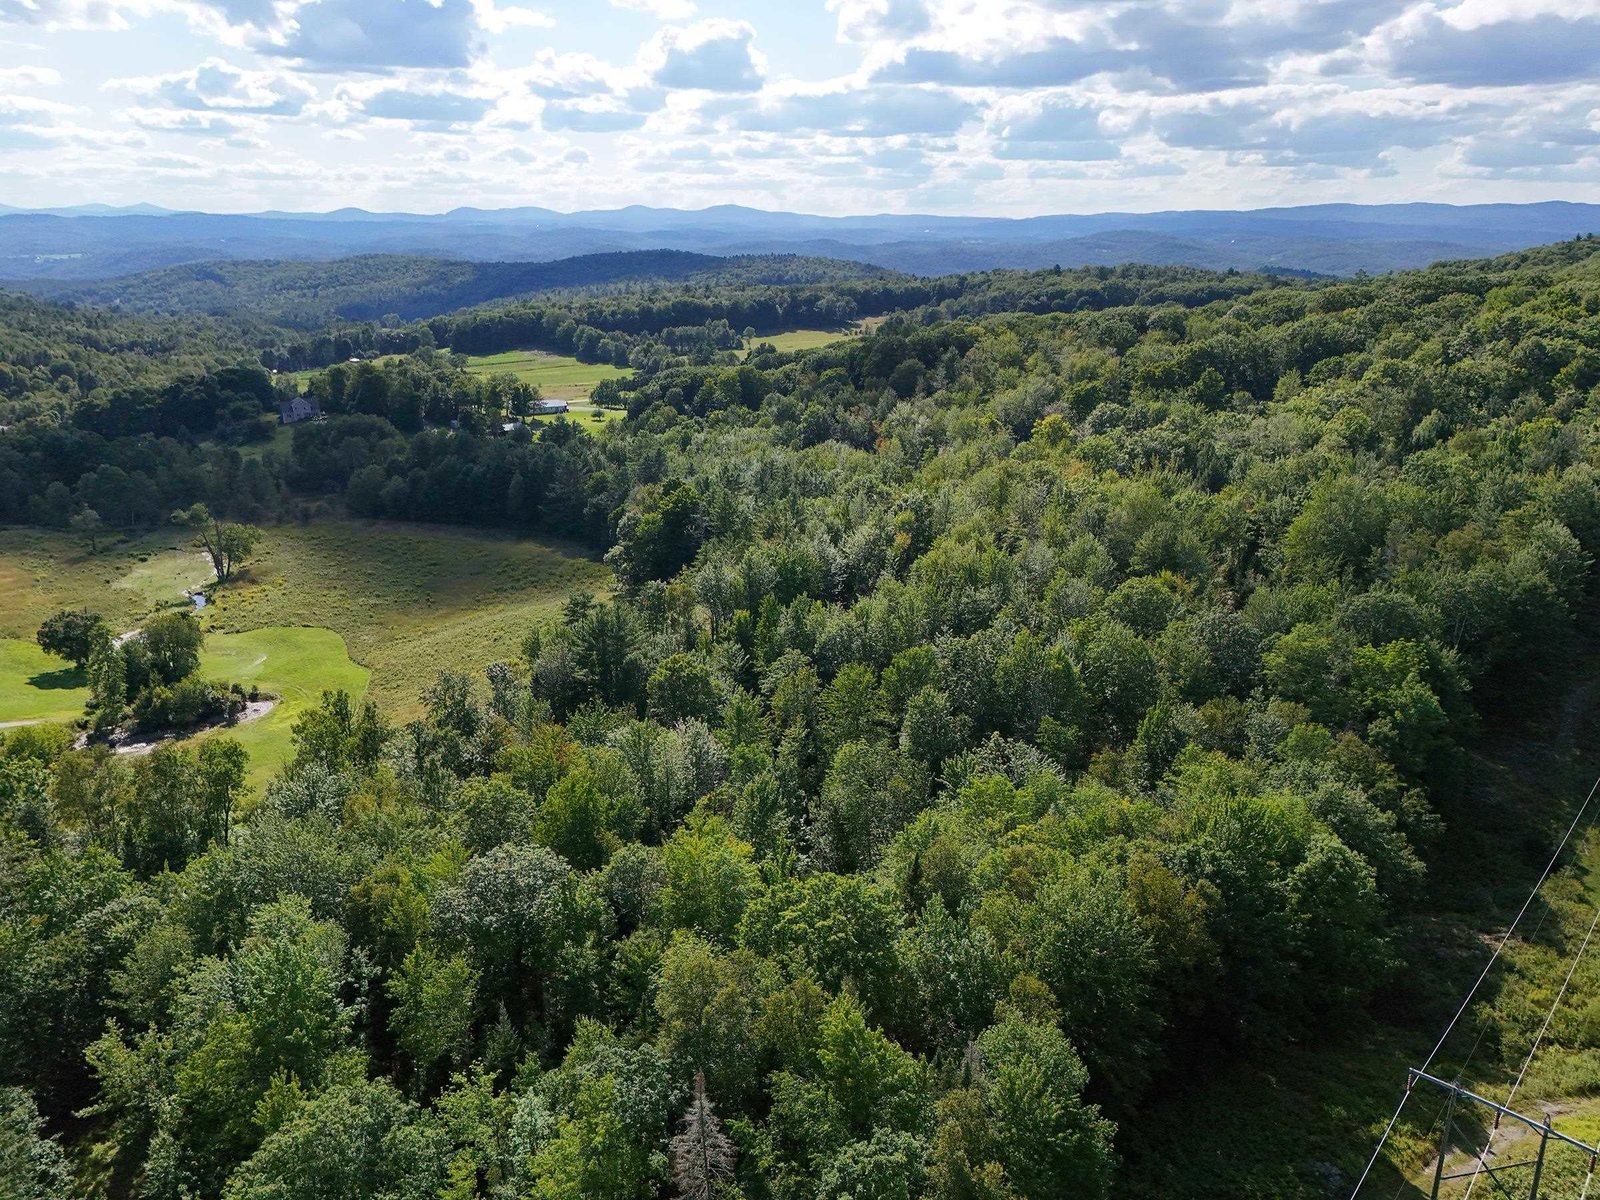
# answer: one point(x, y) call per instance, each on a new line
point(1456, 1095)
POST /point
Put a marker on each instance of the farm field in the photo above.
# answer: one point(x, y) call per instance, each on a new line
point(557, 376)
point(798, 339)
point(408, 600)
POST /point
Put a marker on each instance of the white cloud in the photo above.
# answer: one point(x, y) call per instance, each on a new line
point(218, 85)
point(869, 20)
point(1007, 105)
point(589, 118)
point(496, 18)
point(872, 111)
point(58, 15)
point(713, 56)
point(1481, 48)
point(435, 111)
point(24, 77)
point(379, 35)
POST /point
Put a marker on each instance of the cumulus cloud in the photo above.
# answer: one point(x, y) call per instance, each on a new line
point(216, 84)
point(1427, 45)
point(496, 18)
point(1030, 104)
point(867, 20)
point(245, 12)
point(436, 111)
point(378, 35)
point(1060, 130)
point(166, 120)
point(1197, 45)
point(1058, 62)
point(583, 118)
point(71, 14)
point(1330, 134)
point(12, 78)
point(713, 56)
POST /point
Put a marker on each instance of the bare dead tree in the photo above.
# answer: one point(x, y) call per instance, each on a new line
point(702, 1155)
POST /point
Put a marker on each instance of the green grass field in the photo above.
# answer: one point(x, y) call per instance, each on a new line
point(295, 664)
point(798, 339)
point(42, 571)
point(372, 608)
point(36, 687)
point(557, 376)
point(408, 600)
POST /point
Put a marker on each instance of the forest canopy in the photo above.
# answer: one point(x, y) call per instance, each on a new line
point(1001, 718)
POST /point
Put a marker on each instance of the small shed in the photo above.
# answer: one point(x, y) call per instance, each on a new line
point(548, 408)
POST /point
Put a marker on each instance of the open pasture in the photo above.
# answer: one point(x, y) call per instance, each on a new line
point(371, 608)
point(557, 376)
point(409, 600)
point(797, 339)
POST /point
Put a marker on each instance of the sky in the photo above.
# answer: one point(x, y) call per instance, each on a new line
point(1002, 107)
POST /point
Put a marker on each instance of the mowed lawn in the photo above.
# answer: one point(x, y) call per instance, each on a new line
point(557, 376)
point(295, 664)
point(36, 687)
point(408, 600)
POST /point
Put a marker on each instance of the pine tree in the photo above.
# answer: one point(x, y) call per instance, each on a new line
point(702, 1155)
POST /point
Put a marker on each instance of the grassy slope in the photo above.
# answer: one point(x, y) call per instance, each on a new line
point(41, 572)
point(295, 664)
point(402, 601)
point(798, 339)
point(1303, 1124)
point(408, 600)
point(557, 376)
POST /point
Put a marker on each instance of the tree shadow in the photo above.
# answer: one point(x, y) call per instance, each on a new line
point(65, 677)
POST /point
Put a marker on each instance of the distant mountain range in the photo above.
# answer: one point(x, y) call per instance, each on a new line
point(99, 242)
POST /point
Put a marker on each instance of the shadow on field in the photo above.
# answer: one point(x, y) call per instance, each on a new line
point(66, 677)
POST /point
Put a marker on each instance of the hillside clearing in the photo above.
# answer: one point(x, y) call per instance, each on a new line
point(294, 664)
point(43, 571)
point(408, 600)
point(797, 339)
point(558, 376)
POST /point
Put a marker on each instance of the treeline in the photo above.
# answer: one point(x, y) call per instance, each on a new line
point(415, 438)
point(583, 326)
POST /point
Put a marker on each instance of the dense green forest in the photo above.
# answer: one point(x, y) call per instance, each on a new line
point(1001, 721)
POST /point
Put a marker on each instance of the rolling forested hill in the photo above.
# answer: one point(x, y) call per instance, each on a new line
point(307, 295)
point(1023, 743)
